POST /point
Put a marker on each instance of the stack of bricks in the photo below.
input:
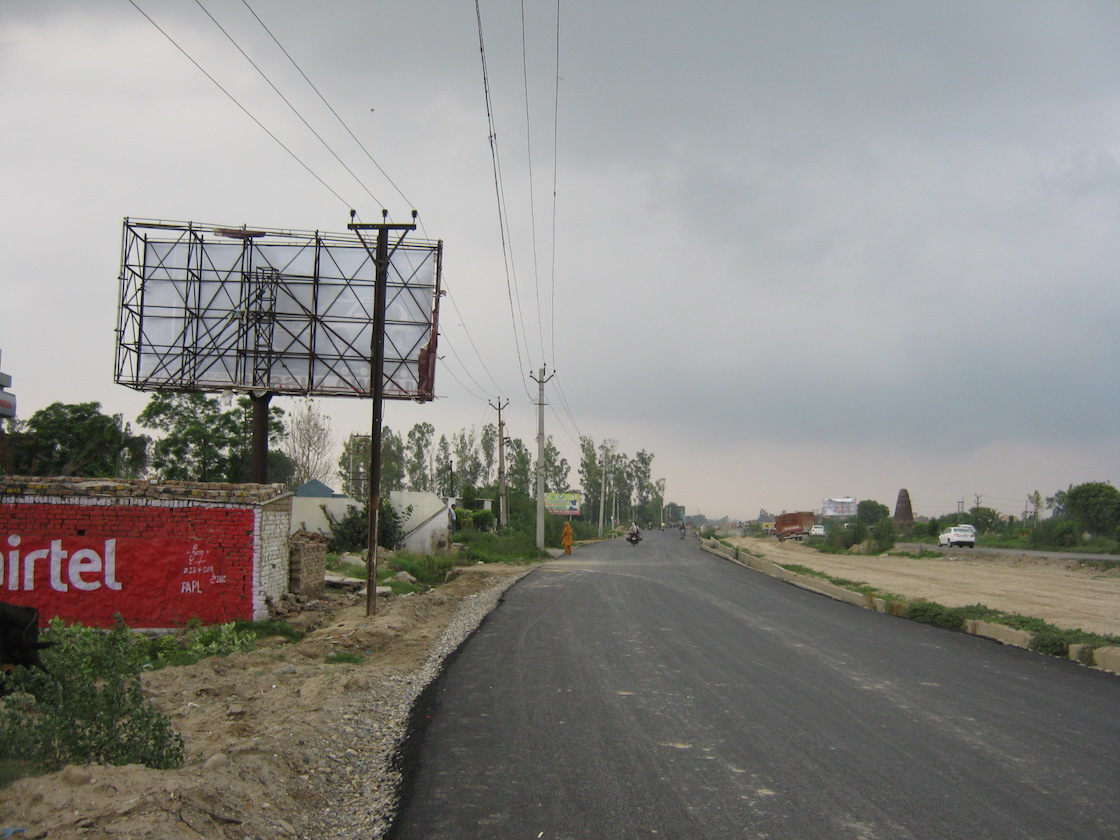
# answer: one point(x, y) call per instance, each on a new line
point(157, 554)
point(308, 564)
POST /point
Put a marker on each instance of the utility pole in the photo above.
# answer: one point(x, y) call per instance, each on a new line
point(377, 385)
point(503, 499)
point(540, 455)
point(602, 495)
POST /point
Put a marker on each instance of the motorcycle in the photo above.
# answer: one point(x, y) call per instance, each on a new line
point(633, 538)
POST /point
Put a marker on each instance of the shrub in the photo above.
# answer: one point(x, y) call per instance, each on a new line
point(1050, 641)
point(483, 520)
point(928, 612)
point(351, 532)
point(90, 709)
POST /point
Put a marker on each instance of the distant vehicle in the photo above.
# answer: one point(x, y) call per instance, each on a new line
point(817, 531)
point(958, 535)
point(792, 526)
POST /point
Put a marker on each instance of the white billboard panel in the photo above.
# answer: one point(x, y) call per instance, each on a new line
point(206, 308)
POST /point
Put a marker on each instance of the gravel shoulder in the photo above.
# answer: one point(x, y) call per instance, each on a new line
point(280, 743)
point(1065, 592)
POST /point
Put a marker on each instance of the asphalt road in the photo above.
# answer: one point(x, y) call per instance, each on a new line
point(661, 692)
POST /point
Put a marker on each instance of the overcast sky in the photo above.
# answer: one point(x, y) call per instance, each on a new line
point(797, 249)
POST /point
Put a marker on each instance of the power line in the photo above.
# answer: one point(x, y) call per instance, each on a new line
point(555, 170)
point(463, 324)
point(287, 102)
point(529, 169)
point(507, 251)
point(329, 106)
point(245, 110)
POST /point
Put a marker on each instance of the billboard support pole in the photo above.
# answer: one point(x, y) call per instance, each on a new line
point(260, 403)
point(376, 389)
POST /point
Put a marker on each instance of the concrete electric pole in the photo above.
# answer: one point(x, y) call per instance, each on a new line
point(540, 456)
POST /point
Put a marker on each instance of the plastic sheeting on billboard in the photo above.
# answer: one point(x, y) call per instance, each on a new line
point(207, 308)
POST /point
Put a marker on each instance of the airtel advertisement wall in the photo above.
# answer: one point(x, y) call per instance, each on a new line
point(155, 566)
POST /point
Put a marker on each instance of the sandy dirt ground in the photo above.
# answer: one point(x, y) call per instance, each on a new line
point(264, 731)
point(1062, 591)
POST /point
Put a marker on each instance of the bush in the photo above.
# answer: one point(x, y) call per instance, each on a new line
point(351, 532)
point(1052, 642)
point(1059, 533)
point(483, 520)
point(90, 709)
point(928, 612)
point(884, 535)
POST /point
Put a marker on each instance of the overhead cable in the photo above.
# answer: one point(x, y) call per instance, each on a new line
point(245, 110)
point(328, 104)
point(507, 255)
point(287, 102)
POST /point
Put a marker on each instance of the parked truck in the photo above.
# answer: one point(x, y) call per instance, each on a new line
point(793, 526)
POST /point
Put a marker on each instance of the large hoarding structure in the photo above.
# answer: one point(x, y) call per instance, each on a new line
point(844, 506)
point(213, 308)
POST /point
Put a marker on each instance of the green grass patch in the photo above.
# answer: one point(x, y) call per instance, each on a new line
point(488, 547)
point(922, 554)
point(348, 568)
point(344, 657)
point(428, 569)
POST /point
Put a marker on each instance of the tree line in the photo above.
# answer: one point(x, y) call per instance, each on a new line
point(203, 438)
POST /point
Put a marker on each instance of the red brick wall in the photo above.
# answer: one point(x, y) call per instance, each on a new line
point(156, 562)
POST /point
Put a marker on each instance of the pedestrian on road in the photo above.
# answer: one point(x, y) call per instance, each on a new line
point(566, 539)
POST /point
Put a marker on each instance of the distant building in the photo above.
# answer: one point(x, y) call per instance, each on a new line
point(308, 504)
point(845, 506)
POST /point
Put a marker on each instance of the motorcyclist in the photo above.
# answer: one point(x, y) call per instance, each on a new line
point(635, 533)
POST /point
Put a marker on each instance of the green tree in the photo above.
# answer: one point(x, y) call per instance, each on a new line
point(77, 439)
point(204, 442)
point(392, 461)
point(869, 512)
point(353, 466)
point(985, 519)
point(487, 444)
point(1056, 504)
point(468, 464)
point(590, 477)
point(444, 481)
point(418, 456)
point(641, 469)
point(519, 468)
point(1095, 506)
point(555, 468)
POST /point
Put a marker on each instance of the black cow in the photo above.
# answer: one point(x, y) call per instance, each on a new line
point(19, 637)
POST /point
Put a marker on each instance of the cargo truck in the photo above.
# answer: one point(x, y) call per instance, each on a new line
point(793, 526)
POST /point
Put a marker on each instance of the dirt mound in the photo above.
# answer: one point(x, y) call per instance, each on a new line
point(266, 732)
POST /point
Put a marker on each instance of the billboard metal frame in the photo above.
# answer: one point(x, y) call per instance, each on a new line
point(216, 308)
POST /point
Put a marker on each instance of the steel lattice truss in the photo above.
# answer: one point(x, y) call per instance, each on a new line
point(207, 308)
